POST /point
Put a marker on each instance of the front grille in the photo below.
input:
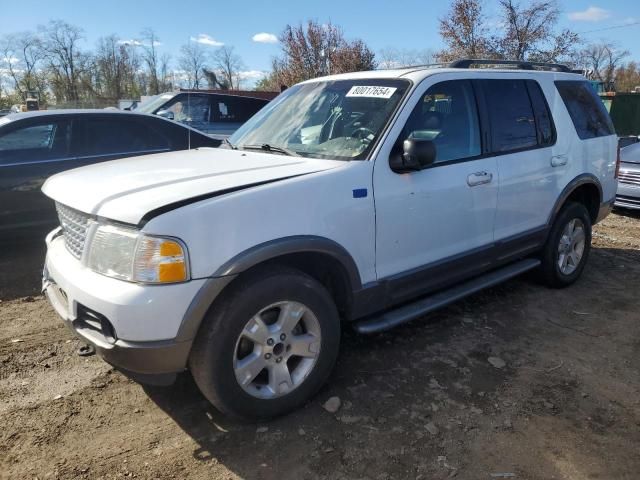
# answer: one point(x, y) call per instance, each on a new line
point(74, 228)
point(625, 200)
point(626, 176)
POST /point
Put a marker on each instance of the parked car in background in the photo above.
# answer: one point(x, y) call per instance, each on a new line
point(628, 195)
point(214, 112)
point(368, 197)
point(35, 145)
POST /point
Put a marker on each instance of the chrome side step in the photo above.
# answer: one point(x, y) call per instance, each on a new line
point(405, 313)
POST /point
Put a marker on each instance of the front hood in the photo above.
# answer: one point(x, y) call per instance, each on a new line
point(127, 189)
point(630, 153)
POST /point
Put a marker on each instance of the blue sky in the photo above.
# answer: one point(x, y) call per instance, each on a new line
point(410, 24)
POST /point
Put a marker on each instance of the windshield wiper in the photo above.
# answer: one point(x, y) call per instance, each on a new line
point(270, 148)
point(231, 145)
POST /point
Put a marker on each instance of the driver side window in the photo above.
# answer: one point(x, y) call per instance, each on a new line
point(447, 115)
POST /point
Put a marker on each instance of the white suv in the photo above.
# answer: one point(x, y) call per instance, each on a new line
point(371, 197)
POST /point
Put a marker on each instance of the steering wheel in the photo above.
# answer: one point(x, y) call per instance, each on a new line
point(362, 133)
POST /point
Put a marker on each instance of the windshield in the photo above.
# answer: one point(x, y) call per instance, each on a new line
point(339, 119)
point(155, 102)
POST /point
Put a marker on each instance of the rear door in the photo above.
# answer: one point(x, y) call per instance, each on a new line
point(530, 161)
point(108, 137)
point(30, 152)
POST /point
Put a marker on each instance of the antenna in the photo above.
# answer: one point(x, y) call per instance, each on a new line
point(189, 110)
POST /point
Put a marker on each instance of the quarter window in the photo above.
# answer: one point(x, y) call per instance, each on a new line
point(44, 141)
point(588, 113)
point(448, 116)
point(513, 124)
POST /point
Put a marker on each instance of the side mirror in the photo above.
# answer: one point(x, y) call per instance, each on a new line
point(416, 154)
point(419, 151)
point(165, 114)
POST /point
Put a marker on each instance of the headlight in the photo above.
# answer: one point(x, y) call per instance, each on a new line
point(128, 254)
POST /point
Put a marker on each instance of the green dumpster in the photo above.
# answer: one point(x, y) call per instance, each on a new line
point(624, 109)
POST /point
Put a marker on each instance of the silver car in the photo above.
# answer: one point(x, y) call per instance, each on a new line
point(628, 195)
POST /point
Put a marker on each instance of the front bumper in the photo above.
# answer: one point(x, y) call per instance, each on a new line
point(136, 328)
point(628, 196)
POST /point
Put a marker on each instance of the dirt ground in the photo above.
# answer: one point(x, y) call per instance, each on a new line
point(420, 402)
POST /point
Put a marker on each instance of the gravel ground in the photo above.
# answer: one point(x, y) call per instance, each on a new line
point(516, 382)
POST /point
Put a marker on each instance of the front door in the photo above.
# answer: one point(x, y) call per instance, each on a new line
point(435, 226)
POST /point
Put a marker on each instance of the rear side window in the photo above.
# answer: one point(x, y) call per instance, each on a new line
point(544, 119)
point(587, 112)
point(513, 123)
point(232, 109)
point(112, 136)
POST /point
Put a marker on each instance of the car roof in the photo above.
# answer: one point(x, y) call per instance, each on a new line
point(13, 117)
point(71, 111)
point(420, 72)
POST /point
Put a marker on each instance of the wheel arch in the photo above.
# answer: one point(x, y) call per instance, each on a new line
point(322, 258)
point(585, 189)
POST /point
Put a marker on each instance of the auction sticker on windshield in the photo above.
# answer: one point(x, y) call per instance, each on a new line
point(374, 92)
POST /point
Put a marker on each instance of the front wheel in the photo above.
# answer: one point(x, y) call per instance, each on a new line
point(567, 249)
point(268, 345)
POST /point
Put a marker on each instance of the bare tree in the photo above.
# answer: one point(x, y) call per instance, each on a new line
point(269, 83)
point(395, 58)
point(65, 60)
point(627, 77)
point(311, 50)
point(116, 66)
point(149, 43)
point(601, 60)
point(166, 78)
point(21, 56)
point(193, 61)
point(464, 32)
point(228, 65)
point(530, 32)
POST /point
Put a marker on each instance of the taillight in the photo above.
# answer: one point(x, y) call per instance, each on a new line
point(617, 163)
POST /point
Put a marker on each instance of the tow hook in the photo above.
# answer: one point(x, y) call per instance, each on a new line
point(86, 350)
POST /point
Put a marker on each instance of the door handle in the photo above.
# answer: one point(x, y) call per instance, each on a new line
point(479, 178)
point(559, 160)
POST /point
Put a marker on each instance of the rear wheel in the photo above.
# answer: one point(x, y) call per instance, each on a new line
point(267, 345)
point(567, 249)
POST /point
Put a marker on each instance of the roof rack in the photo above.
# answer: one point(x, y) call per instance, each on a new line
point(421, 65)
point(518, 64)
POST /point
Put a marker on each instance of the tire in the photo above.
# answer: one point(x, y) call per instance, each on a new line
point(551, 271)
point(232, 345)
